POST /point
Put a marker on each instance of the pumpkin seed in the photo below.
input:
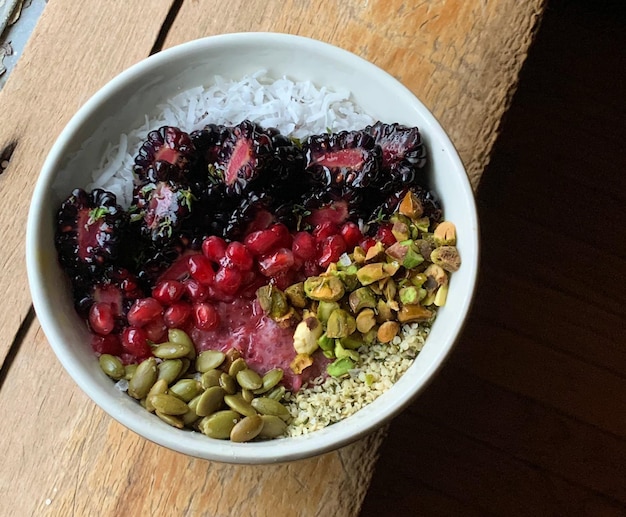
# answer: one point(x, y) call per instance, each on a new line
point(247, 395)
point(143, 379)
point(246, 429)
point(268, 406)
point(112, 366)
point(277, 393)
point(171, 350)
point(210, 401)
point(181, 337)
point(209, 359)
point(270, 379)
point(273, 426)
point(129, 371)
point(236, 366)
point(210, 378)
point(228, 383)
point(191, 416)
point(159, 387)
point(171, 420)
point(237, 403)
point(186, 389)
point(168, 404)
point(170, 369)
point(220, 424)
point(249, 379)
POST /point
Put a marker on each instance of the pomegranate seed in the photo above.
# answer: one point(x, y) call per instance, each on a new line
point(304, 246)
point(284, 279)
point(109, 344)
point(330, 250)
point(228, 280)
point(367, 243)
point(261, 241)
point(201, 269)
point(177, 314)
point(205, 316)
point(196, 291)
point(311, 268)
point(135, 342)
point(283, 235)
point(143, 311)
point(239, 256)
point(214, 248)
point(325, 229)
point(156, 330)
point(351, 234)
point(274, 263)
point(101, 318)
point(385, 236)
point(168, 291)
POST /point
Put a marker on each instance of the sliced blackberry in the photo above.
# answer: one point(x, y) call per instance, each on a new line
point(89, 228)
point(170, 145)
point(331, 204)
point(116, 286)
point(254, 212)
point(159, 209)
point(244, 157)
point(348, 159)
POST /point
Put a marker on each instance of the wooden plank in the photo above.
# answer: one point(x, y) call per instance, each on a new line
point(60, 68)
point(74, 459)
point(461, 58)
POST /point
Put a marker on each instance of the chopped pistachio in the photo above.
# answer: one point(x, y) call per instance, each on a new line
point(324, 309)
point(361, 298)
point(365, 320)
point(340, 367)
point(341, 352)
point(411, 206)
point(447, 257)
point(409, 295)
point(414, 312)
point(371, 273)
point(296, 295)
point(306, 335)
point(445, 234)
point(300, 363)
point(324, 288)
point(340, 324)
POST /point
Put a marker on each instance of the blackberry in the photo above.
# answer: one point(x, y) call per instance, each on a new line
point(89, 228)
point(348, 160)
point(253, 212)
point(167, 154)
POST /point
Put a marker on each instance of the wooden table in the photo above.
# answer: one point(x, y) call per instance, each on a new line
point(61, 454)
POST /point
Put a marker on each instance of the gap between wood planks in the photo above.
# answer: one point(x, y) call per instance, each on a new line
point(5, 158)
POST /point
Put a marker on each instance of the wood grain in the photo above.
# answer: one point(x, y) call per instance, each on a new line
point(461, 58)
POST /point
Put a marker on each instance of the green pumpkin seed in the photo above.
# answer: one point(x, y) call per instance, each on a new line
point(249, 379)
point(270, 379)
point(143, 379)
point(220, 424)
point(237, 403)
point(209, 359)
point(277, 393)
point(246, 429)
point(168, 404)
point(273, 426)
point(186, 389)
point(236, 366)
point(171, 420)
point(210, 401)
point(181, 337)
point(170, 369)
point(112, 366)
point(171, 350)
point(129, 371)
point(210, 378)
point(247, 395)
point(268, 406)
point(228, 383)
point(159, 387)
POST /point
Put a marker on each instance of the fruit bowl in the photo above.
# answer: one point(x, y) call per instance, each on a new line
point(123, 104)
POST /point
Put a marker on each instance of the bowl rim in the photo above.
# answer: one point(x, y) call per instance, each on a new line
point(289, 449)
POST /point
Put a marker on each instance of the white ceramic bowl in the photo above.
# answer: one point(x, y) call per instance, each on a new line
point(120, 106)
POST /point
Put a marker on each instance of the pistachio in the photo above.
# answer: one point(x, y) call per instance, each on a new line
point(445, 234)
point(411, 206)
point(340, 324)
point(389, 289)
point(353, 341)
point(358, 255)
point(435, 278)
point(326, 343)
point(415, 312)
point(424, 247)
point(400, 231)
point(272, 300)
point(387, 331)
point(384, 312)
point(324, 288)
point(409, 295)
point(324, 309)
point(143, 379)
point(341, 352)
point(112, 366)
point(306, 335)
point(371, 273)
point(296, 296)
point(375, 252)
point(246, 429)
point(340, 367)
point(391, 268)
point(361, 298)
point(369, 337)
point(447, 257)
point(209, 359)
point(365, 320)
point(441, 296)
point(300, 363)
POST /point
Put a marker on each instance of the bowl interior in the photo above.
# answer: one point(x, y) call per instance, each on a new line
point(122, 105)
